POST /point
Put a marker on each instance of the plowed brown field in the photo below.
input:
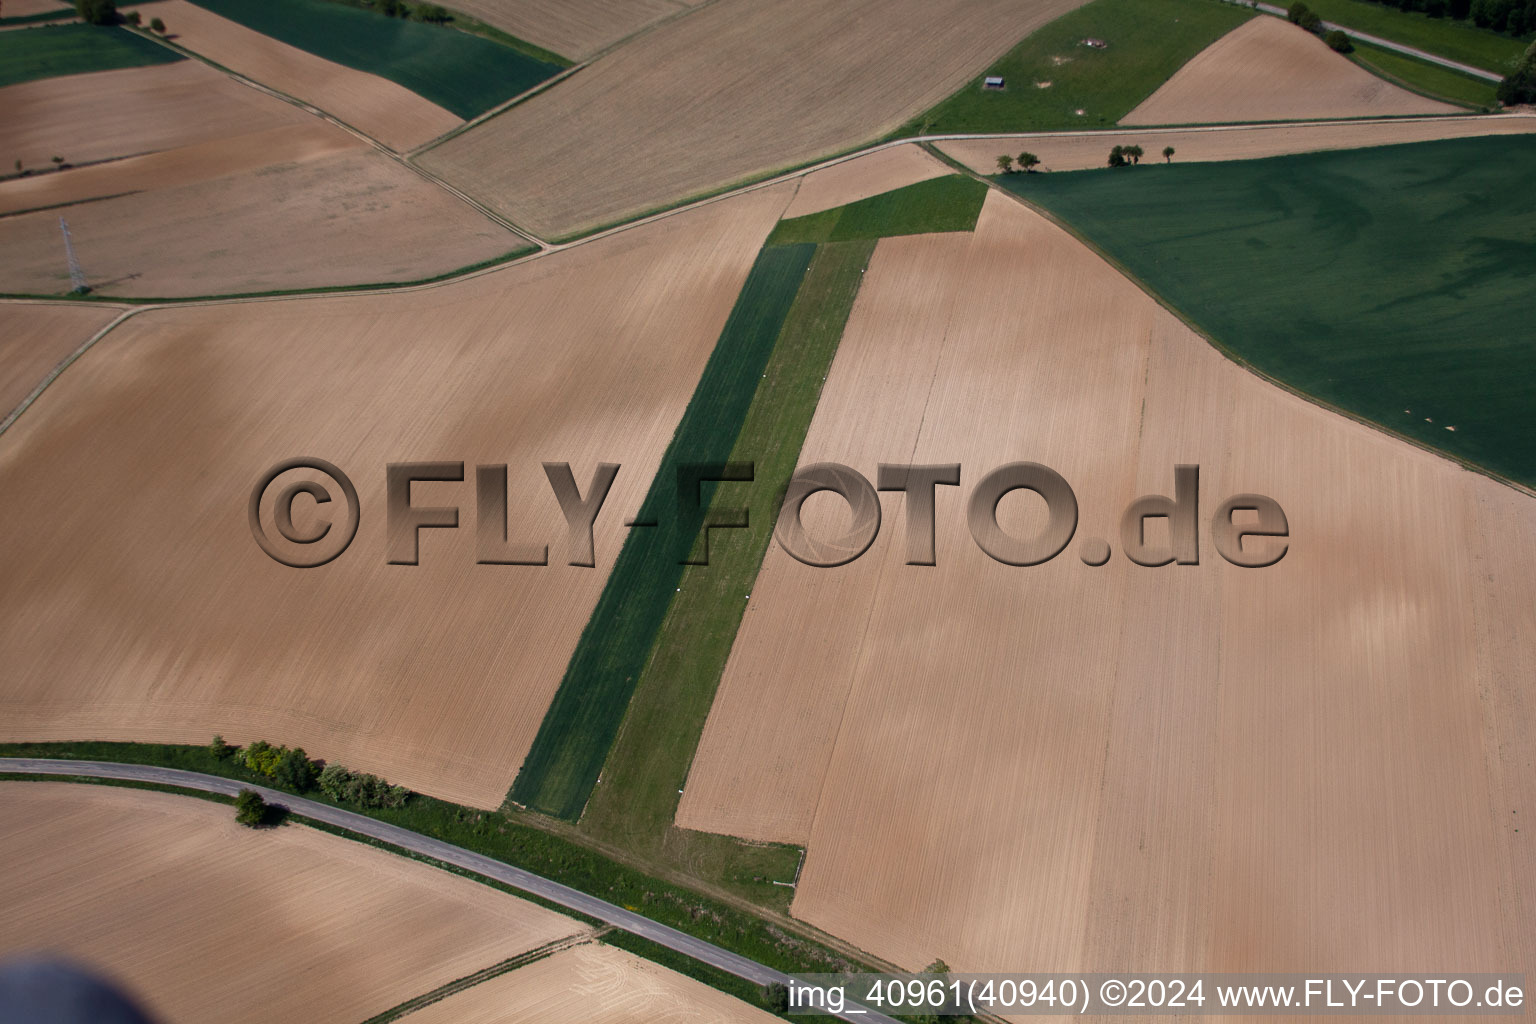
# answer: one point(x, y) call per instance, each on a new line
point(146, 110)
point(709, 99)
point(160, 618)
point(1091, 149)
point(572, 28)
point(351, 217)
point(205, 920)
point(1270, 70)
point(863, 176)
point(376, 106)
point(595, 984)
point(34, 337)
point(1123, 768)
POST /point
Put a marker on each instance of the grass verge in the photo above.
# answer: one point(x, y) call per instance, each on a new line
point(1393, 283)
point(950, 203)
point(49, 51)
point(463, 73)
point(502, 838)
point(1146, 41)
point(1422, 77)
point(1455, 40)
point(635, 805)
point(568, 752)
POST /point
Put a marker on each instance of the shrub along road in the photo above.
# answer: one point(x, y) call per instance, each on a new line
point(517, 878)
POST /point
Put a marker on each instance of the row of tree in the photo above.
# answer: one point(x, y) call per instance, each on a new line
point(1517, 17)
point(293, 769)
point(1301, 14)
point(104, 12)
point(1120, 156)
point(435, 14)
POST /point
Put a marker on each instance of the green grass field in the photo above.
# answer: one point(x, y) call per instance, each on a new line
point(465, 74)
point(950, 203)
point(1396, 283)
point(578, 729)
point(1148, 40)
point(48, 51)
point(1429, 79)
point(637, 800)
point(1457, 40)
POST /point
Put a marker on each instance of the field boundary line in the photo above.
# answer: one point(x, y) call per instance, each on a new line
point(456, 856)
point(485, 974)
point(1233, 357)
point(325, 115)
point(66, 362)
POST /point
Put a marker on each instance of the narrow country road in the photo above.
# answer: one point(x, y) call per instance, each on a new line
point(415, 842)
point(1387, 44)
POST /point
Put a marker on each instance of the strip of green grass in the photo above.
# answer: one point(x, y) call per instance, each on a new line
point(637, 801)
point(28, 54)
point(1395, 283)
point(1460, 41)
point(57, 14)
point(502, 838)
point(1429, 79)
point(465, 74)
point(574, 739)
point(1148, 40)
point(950, 203)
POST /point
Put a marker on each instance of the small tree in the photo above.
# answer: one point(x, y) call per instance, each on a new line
point(156, 25)
point(250, 808)
point(295, 770)
point(433, 14)
point(219, 749)
point(58, 161)
point(1117, 157)
point(1338, 41)
point(1168, 152)
point(1005, 164)
point(1297, 11)
point(97, 12)
point(1133, 154)
point(1028, 161)
point(1311, 22)
point(134, 18)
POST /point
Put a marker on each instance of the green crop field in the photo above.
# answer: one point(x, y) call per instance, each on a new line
point(582, 720)
point(950, 203)
point(1146, 42)
point(1430, 79)
point(1445, 37)
point(27, 54)
point(1396, 283)
point(637, 800)
point(465, 74)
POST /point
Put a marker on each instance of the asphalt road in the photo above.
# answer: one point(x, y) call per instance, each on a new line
point(526, 881)
point(1387, 44)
